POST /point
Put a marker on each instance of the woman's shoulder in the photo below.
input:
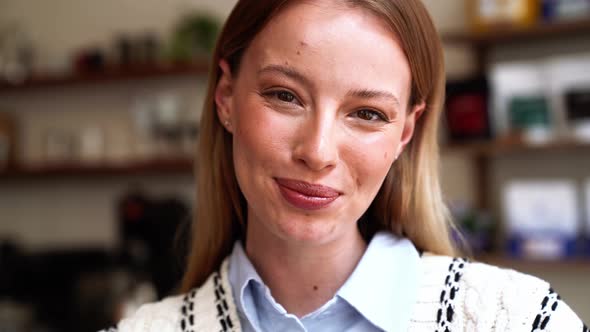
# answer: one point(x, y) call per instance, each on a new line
point(206, 308)
point(157, 316)
point(480, 296)
point(474, 273)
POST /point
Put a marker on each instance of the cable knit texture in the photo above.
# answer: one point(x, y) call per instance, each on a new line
point(455, 295)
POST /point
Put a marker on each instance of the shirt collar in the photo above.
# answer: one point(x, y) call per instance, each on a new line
point(383, 287)
point(241, 273)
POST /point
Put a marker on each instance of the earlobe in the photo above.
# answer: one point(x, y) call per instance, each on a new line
point(224, 95)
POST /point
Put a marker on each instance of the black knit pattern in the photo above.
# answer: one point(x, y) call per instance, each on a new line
point(222, 307)
point(187, 321)
point(446, 312)
point(548, 306)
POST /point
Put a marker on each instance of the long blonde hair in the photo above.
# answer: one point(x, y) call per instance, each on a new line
point(409, 202)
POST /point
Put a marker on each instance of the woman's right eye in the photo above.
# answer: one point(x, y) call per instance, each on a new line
point(283, 96)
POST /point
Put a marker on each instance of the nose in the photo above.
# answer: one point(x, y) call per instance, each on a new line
point(317, 146)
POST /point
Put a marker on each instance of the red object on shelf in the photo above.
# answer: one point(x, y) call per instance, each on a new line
point(466, 114)
point(466, 110)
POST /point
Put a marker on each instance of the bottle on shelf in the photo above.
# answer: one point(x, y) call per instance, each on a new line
point(486, 14)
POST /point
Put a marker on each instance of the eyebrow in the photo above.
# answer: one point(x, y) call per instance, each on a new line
point(359, 93)
point(370, 94)
point(287, 71)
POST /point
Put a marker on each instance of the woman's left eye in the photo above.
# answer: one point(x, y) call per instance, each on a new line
point(370, 115)
point(283, 96)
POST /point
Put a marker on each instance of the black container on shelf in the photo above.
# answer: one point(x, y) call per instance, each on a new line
point(578, 112)
point(91, 60)
point(466, 110)
point(137, 50)
point(578, 104)
point(150, 237)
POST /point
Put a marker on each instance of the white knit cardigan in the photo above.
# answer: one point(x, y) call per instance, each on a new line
point(455, 295)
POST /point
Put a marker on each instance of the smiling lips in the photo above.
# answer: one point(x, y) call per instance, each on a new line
point(305, 195)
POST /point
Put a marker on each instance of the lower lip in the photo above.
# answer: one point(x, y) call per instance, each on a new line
point(305, 202)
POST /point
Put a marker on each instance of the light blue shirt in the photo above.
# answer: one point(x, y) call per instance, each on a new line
point(378, 296)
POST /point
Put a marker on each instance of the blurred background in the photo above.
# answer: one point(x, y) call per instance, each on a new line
point(99, 115)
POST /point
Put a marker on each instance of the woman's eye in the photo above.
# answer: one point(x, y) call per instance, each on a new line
point(285, 96)
point(281, 98)
point(370, 115)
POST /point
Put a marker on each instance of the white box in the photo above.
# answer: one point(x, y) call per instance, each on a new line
point(542, 218)
point(513, 79)
point(544, 205)
point(550, 77)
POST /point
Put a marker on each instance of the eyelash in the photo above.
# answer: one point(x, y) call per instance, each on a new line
point(276, 93)
point(380, 115)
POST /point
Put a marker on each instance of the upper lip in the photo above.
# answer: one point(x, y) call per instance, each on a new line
point(309, 189)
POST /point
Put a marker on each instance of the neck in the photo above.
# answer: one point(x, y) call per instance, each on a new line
point(303, 276)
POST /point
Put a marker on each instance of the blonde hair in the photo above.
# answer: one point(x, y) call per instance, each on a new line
point(409, 203)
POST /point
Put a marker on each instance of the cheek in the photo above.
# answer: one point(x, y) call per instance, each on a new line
point(258, 137)
point(370, 158)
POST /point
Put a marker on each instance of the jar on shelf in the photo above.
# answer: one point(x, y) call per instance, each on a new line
point(486, 14)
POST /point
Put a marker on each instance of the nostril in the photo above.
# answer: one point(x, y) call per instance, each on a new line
point(317, 162)
point(316, 147)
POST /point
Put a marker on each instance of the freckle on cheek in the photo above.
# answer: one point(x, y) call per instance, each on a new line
point(385, 155)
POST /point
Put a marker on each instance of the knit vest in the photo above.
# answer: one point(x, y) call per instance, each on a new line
point(454, 295)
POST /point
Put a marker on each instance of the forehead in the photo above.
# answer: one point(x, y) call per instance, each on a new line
point(335, 44)
point(323, 21)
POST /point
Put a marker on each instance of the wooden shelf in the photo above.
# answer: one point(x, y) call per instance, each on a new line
point(160, 166)
point(109, 75)
point(499, 148)
point(481, 152)
point(480, 42)
point(511, 34)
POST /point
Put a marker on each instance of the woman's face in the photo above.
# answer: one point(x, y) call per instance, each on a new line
point(318, 112)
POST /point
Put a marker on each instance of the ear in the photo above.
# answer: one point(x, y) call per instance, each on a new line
point(409, 125)
point(223, 96)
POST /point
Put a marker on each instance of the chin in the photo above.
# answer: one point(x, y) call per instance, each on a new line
point(308, 230)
